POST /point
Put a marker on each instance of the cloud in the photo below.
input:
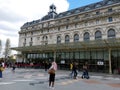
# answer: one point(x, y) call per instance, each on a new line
point(31, 9)
point(14, 13)
point(10, 16)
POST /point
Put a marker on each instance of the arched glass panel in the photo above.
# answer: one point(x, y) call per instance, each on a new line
point(111, 33)
point(58, 39)
point(67, 39)
point(98, 35)
point(76, 38)
point(86, 36)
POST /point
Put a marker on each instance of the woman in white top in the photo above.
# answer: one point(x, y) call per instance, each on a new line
point(52, 75)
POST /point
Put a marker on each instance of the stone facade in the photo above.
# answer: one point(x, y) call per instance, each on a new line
point(90, 33)
point(100, 18)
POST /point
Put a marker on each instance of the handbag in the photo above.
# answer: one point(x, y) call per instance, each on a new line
point(51, 71)
point(1, 69)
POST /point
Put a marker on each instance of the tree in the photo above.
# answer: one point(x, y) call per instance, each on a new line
point(7, 50)
point(0, 46)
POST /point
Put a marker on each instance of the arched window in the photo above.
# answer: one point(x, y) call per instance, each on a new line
point(86, 36)
point(43, 38)
point(111, 33)
point(67, 39)
point(98, 35)
point(68, 13)
point(31, 39)
point(58, 39)
point(25, 40)
point(46, 37)
point(110, 2)
point(67, 27)
point(87, 8)
point(77, 11)
point(76, 38)
point(98, 5)
point(60, 15)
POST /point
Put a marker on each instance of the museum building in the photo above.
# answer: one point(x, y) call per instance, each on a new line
point(89, 34)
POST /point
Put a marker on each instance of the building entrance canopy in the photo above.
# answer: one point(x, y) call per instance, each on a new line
point(111, 43)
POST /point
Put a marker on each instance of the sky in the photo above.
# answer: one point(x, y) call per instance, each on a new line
point(14, 13)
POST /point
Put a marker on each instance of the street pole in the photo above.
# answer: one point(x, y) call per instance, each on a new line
point(110, 67)
point(54, 55)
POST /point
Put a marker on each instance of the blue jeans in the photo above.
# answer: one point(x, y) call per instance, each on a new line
point(0, 74)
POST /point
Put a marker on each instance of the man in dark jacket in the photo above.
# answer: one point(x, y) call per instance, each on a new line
point(74, 69)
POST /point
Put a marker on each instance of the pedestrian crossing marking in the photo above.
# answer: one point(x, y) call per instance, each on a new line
point(23, 80)
point(5, 83)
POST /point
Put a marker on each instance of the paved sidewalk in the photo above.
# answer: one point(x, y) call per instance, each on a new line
point(21, 71)
point(37, 79)
point(94, 75)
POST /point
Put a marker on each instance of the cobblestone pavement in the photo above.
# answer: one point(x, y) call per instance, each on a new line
point(38, 79)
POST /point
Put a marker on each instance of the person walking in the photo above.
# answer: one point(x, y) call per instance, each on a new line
point(71, 68)
point(51, 72)
point(1, 70)
point(85, 71)
point(13, 67)
point(74, 70)
point(46, 65)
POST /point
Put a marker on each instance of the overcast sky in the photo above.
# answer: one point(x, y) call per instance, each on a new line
point(14, 13)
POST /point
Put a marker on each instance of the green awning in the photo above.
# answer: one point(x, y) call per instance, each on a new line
point(112, 43)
